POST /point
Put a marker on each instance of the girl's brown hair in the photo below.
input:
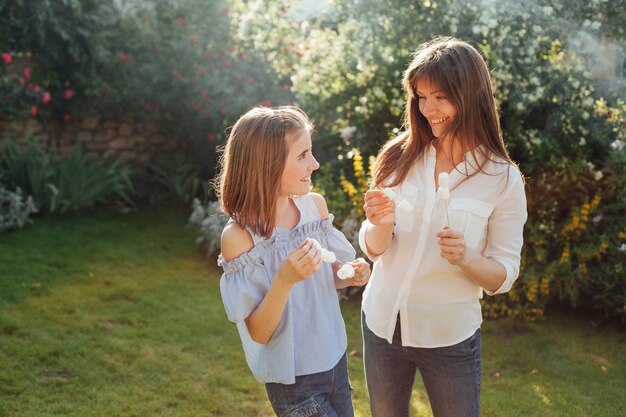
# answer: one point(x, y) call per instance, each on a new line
point(252, 162)
point(458, 70)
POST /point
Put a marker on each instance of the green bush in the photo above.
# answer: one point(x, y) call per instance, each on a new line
point(180, 65)
point(15, 209)
point(59, 184)
point(567, 142)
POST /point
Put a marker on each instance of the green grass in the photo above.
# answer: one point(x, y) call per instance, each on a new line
point(120, 315)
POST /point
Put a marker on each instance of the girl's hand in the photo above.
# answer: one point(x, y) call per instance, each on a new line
point(379, 209)
point(301, 263)
point(452, 246)
point(362, 273)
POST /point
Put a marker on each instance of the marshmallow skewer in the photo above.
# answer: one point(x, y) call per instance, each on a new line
point(346, 271)
point(443, 192)
point(403, 205)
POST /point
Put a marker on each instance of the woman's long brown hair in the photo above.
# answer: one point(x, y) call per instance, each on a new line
point(458, 70)
point(252, 163)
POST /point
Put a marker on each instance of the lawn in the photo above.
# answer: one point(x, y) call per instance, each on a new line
point(120, 315)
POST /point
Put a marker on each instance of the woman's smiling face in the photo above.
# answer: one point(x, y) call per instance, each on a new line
point(435, 106)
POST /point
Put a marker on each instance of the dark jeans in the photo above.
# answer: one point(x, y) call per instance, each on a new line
point(325, 394)
point(451, 375)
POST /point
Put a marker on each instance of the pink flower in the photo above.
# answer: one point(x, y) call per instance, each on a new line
point(181, 22)
point(36, 89)
point(286, 87)
point(67, 117)
point(208, 56)
point(224, 10)
point(148, 107)
point(197, 107)
point(46, 97)
point(202, 71)
point(266, 103)
point(123, 57)
point(207, 114)
point(244, 56)
point(211, 137)
point(68, 94)
point(27, 74)
point(250, 80)
point(6, 58)
point(22, 81)
point(33, 111)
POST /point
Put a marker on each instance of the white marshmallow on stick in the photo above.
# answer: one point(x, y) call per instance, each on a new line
point(327, 256)
point(345, 272)
point(403, 205)
point(443, 192)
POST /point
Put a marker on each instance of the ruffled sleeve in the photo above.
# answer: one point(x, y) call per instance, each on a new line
point(338, 243)
point(243, 285)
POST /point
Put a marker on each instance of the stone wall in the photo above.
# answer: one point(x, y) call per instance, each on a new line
point(127, 139)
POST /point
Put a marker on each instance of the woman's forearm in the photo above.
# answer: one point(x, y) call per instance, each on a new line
point(378, 239)
point(485, 272)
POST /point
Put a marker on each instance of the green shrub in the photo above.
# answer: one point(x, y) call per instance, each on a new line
point(567, 142)
point(15, 209)
point(59, 184)
point(209, 221)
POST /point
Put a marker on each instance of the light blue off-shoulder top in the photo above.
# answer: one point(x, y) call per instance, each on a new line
point(311, 336)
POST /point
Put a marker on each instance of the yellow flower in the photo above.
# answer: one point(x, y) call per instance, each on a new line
point(564, 257)
point(347, 187)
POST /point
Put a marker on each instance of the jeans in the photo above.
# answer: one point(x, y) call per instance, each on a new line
point(324, 394)
point(451, 375)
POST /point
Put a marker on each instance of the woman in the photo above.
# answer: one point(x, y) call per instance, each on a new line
point(434, 258)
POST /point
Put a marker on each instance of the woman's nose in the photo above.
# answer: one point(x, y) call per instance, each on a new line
point(428, 108)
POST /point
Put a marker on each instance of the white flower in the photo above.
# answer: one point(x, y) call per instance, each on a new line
point(598, 175)
point(622, 248)
point(618, 145)
point(347, 132)
point(582, 142)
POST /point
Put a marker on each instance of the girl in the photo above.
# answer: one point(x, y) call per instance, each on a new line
point(421, 310)
point(275, 286)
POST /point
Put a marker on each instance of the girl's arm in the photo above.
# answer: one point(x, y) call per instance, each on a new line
point(362, 273)
point(299, 265)
point(379, 211)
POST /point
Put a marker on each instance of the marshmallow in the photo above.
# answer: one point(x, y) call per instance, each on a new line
point(316, 244)
point(443, 179)
point(345, 272)
point(328, 256)
point(443, 193)
point(405, 206)
point(389, 193)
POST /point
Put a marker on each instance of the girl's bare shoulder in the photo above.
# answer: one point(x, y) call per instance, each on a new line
point(235, 240)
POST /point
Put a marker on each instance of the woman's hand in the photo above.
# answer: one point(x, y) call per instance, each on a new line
point(303, 262)
point(452, 246)
point(379, 209)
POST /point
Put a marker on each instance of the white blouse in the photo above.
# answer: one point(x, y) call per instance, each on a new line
point(437, 303)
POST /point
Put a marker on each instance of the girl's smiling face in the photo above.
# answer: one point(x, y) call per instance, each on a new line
point(435, 106)
point(300, 164)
